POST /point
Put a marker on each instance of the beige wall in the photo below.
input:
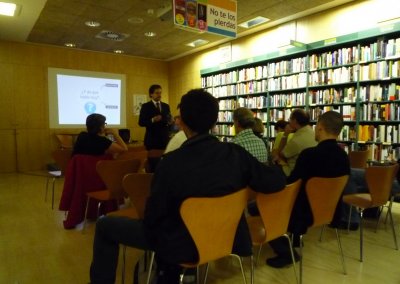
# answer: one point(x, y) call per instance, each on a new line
point(345, 19)
point(25, 138)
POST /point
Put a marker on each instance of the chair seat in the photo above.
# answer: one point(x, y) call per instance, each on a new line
point(257, 231)
point(102, 195)
point(361, 200)
point(130, 212)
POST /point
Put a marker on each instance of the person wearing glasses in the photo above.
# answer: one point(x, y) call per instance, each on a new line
point(96, 140)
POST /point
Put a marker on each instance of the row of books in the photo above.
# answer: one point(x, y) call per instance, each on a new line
point(223, 129)
point(338, 57)
point(253, 102)
point(348, 111)
point(287, 100)
point(379, 133)
point(380, 49)
point(333, 76)
point(288, 82)
point(380, 70)
point(380, 112)
point(332, 96)
point(228, 104)
point(384, 92)
point(294, 65)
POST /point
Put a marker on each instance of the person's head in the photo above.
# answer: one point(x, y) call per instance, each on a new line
point(243, 118)
point(298, 119)
point(329, 126)
point(198, 112)
point(95, 123)
point(280, 125)
point(258, 127)
point(155, 92)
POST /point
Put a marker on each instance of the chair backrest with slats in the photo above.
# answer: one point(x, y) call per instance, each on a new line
point(112, 173)
point(275, 209)
point(61, 158)
point(379, 181)
point(137, 186)
point(323, 195)
point(358, 159)
point(212, 223)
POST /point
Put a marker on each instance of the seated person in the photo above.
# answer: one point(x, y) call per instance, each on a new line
point(95, 142)
point(178, 138)
point(303, 138)
point(327, 159)
point(243, 120)
point(258, 130)
point(279, 127)
point(186, 172)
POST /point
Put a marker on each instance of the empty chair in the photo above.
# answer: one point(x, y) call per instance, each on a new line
point(61, 158)
point(128, 155)
point(275, 210)
point(112, 173)
point(323, 195)
point(66, 141)
point(379, 182)
point(358, 159)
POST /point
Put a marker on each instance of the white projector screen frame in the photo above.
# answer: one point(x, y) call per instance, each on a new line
point(74, 94)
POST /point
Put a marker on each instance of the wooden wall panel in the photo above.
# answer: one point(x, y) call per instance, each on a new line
point(24, 95)
point(8, 162)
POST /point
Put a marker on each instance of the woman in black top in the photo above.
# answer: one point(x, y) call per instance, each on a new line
point(95, 142)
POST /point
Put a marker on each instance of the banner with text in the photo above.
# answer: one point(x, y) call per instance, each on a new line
point(214, 16)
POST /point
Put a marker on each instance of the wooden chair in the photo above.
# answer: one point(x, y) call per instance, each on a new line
point(323, 195)
point(153, 157)
point(358, 159)
point(275, 210)
point(66, 141)
point(61, 158)
point(379, 181)
point(128, 155)
point(212, 223)
point(112, 173)
point(137, 186)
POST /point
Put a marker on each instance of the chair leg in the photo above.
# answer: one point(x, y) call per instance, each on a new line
point(251, 269)
point(151, 267)
point(181, 276)
point(301, 259)
point(348, 221)
point(340, 250)
point(378, 218)
point(292, 255)
point(86, 211)
point(47, 189)
point(321, 233)
point(206, 272)
point(136, 274)
point(393, 230)
point(241, 267)
point(389, 207)
point(258, 254)
point(361, 234)
point(123, 264)
point(52, 194)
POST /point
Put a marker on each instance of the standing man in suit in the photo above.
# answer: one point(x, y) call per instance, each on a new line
point(156, 117)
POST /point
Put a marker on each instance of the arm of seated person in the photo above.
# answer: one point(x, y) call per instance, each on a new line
point(119, 145)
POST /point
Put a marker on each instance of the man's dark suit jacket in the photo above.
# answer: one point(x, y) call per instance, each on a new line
point(157, 133)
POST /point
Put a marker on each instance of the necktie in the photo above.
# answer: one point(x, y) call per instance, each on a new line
point(158, 106)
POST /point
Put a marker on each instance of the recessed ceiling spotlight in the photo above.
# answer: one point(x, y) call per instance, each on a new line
point(118, 51)
point(150, 34)
point(254, 22)
point(197, 42)
point(70, 44)
point(9, 9)
point(135, 20)
point(92, 24)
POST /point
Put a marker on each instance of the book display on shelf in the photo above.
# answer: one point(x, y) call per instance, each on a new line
point(357, 75)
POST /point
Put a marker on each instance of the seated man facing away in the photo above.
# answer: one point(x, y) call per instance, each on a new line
point(202, 166)
point(244, 121)
point(327, 159)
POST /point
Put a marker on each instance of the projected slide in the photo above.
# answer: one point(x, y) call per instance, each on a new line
point(80, 96)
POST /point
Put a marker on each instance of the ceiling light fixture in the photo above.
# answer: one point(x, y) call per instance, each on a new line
point(135, 20)
point(254, 22)
point(197, 42)
point(8, 9)
point(92, 24)
point(150, 34)
point(70, 44)
point(118, 51)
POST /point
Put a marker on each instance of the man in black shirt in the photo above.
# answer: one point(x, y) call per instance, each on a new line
point(327, 159)
point(202, 166)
